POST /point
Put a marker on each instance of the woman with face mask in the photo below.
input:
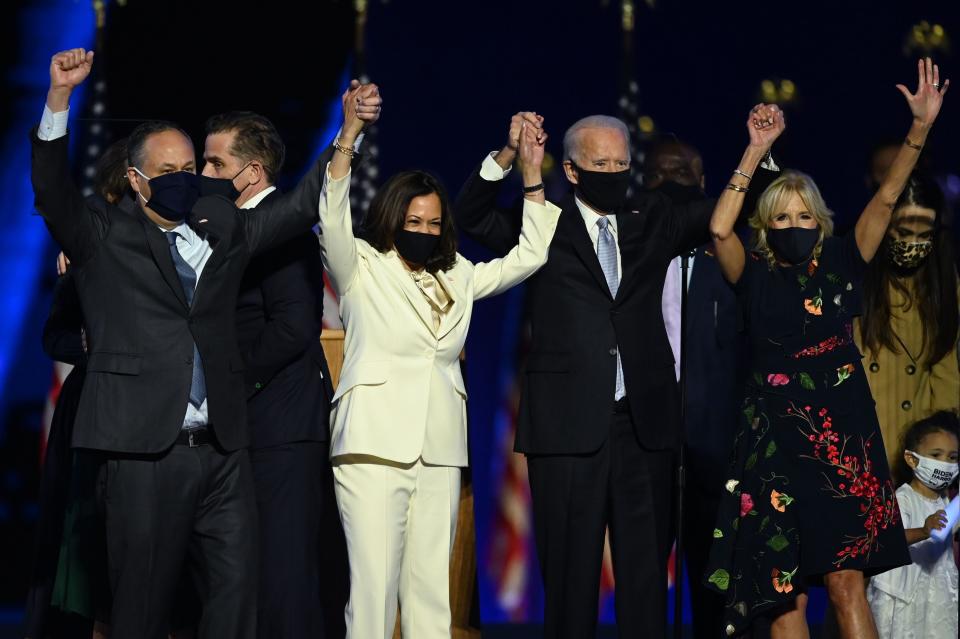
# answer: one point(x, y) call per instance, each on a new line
point(809, 499)
point(908, 331)
point(398, 424)
point(920, 600)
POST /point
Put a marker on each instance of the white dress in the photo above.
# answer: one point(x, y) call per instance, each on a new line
point(918, 601)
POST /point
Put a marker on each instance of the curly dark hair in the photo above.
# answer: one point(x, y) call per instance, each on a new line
point(932, 286)
point(388, 211)
point(110, 176)
point(946, 421)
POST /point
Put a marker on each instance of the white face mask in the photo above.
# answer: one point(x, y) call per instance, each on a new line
point(933, 473)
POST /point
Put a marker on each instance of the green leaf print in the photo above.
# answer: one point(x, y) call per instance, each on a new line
point(751, 461)
point(749, 411)
point(764, 522)
point(717, 533)
point(833, 278)
point(803, 279)
point(720, 578)
point(736, 523)
point(807, 382)
point(778, 542)
point(771, 449)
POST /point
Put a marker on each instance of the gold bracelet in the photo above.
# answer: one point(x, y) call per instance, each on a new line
point(737, 188)
point(345, 150)
point(918, 147)
point(741, 173)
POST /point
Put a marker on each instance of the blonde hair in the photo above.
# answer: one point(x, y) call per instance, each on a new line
point(772, 201)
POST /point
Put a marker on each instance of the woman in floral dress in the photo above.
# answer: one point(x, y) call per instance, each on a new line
point(809, 499)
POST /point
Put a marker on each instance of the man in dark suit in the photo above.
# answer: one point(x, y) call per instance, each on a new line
point(164, 396)
point(715, 370)
point(279, 311)
point(599, 410)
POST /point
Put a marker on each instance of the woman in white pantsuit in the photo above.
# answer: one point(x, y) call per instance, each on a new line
point(399, 423)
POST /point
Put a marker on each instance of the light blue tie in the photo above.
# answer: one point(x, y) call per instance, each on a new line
point(188, 279)
point(607, 254)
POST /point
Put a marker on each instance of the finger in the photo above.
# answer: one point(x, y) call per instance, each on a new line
point(930, 70)
point(936, 75)
point(532, 118)
point(354, 84)
point(946, 84)
point(905, 92)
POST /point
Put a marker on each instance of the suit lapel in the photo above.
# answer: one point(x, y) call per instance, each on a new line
point(628, 242)
point(401, 277)
point(574, 229)
point(457, 309)
point(157, 241)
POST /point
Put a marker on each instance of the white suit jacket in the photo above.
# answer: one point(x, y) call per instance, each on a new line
point(401, 395)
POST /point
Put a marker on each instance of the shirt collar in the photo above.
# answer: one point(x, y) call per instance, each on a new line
point(258, 198)
point(186, 233)
point(590, 217)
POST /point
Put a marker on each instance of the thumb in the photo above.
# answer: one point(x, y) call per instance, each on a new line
point(906, 93)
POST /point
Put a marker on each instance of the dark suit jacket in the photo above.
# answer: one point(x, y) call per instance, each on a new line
point(568, 390)
point(140, 331)
point(279, 313)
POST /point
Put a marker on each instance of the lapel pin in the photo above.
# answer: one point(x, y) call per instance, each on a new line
point(202, 221)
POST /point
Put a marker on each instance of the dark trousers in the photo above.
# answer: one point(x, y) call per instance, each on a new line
point(575, 498)
point(292, 483)
point(700, 506)
point(161, 510)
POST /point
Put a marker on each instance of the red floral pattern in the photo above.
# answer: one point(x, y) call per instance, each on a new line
point(827, 345)
point(848, 476)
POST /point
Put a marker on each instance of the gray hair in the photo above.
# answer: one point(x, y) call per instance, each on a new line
point(571, 139)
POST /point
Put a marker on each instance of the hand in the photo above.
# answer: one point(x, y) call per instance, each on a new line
point(62, 263)
point(936, 521)
point(926, 102)
point(531, 141)
point(69, 68)
point(764, 125)
point(517, 123)
point(369, 104)
point(352, 124)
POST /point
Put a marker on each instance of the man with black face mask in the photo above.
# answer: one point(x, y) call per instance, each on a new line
point(279, 313)
point(599, 411)
point(715, 367)
point(164, 400)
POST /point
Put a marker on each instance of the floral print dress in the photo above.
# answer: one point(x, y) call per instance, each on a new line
point(809, 490)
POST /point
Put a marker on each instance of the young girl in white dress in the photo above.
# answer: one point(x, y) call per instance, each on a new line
point(920, 600)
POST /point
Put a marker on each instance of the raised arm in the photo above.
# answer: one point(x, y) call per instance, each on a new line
point(338, 247)
point(765, 124)
point(71, 222)
point(294, 212)
point(539, 223)
point(476, 211)
point(924, 106)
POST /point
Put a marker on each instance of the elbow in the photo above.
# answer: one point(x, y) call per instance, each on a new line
point(720, 232)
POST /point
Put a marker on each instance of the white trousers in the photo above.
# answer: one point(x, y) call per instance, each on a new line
point(400, 521)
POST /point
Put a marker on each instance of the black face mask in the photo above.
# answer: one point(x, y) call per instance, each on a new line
point(172, 195)
point(680, 193)
point(604, 192)
point(414, 247)
point(793, 244)
point(218, 186)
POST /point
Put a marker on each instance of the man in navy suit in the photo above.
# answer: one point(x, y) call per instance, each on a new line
point(288, 387)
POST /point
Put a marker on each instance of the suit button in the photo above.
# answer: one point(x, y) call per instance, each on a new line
point(911, 369)
point(906, 405)
point(612, 351)
point(874, 367)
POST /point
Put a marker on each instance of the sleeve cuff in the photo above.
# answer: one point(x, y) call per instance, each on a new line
point(52, 125)
point(491, 171)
